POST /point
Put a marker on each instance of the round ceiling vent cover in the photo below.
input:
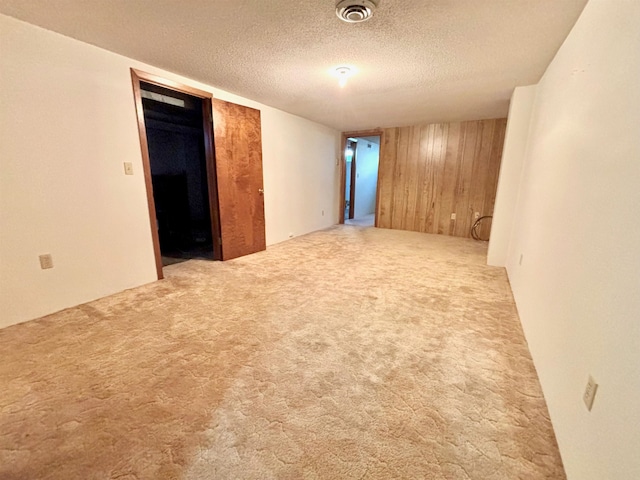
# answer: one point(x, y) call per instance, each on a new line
point(355, 11)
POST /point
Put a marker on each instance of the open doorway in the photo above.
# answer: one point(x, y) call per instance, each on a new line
point(362, 159)
point(175, 128)
point(175, 138)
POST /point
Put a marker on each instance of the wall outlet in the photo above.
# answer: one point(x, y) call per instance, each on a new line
point(590, 392)
point(128, 168)
point(453, 216)
point(520, 261)
point(46, 261)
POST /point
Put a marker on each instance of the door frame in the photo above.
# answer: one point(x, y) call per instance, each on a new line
point(138, 76)
point(352, 183)
point(378, 132)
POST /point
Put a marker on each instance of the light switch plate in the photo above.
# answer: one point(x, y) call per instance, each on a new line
point(590, 392)
point(128, 168)
point(453, 216)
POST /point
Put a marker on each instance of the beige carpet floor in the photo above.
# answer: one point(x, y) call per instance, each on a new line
point(363, 221)
point(350, 353)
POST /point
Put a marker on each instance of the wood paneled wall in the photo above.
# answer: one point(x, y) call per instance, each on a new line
point(429, 172)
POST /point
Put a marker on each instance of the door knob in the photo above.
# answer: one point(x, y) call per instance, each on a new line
point(261, 191)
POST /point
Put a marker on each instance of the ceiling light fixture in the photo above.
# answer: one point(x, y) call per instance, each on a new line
point(355, 11)
point(343, 73)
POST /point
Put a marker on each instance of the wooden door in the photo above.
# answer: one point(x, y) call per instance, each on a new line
point(238, 156)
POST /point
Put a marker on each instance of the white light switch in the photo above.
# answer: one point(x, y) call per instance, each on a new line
point(590, 392)
point(128, 168)
point(453, 216)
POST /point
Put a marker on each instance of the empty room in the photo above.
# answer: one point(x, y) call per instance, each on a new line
point(319, 239)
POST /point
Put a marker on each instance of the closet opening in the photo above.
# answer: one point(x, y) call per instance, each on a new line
point(176, 138)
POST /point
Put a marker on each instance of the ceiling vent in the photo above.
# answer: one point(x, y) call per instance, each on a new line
point(355, 11)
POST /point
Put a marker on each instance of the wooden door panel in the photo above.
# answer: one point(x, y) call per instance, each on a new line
point(238, 153)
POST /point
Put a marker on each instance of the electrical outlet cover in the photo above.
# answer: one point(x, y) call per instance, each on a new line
point(46, 261)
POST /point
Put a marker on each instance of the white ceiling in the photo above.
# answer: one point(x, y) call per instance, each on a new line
point(418, 60)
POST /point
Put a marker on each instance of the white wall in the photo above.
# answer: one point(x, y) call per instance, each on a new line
point(367, 160)
point(511, 166)
point(347, 182)
point(67, 124)
point(576, 225)
point(301, 174)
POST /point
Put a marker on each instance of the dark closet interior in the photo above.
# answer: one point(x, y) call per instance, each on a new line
point(176, 142)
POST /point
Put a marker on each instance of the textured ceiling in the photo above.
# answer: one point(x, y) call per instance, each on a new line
point(417, 60)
